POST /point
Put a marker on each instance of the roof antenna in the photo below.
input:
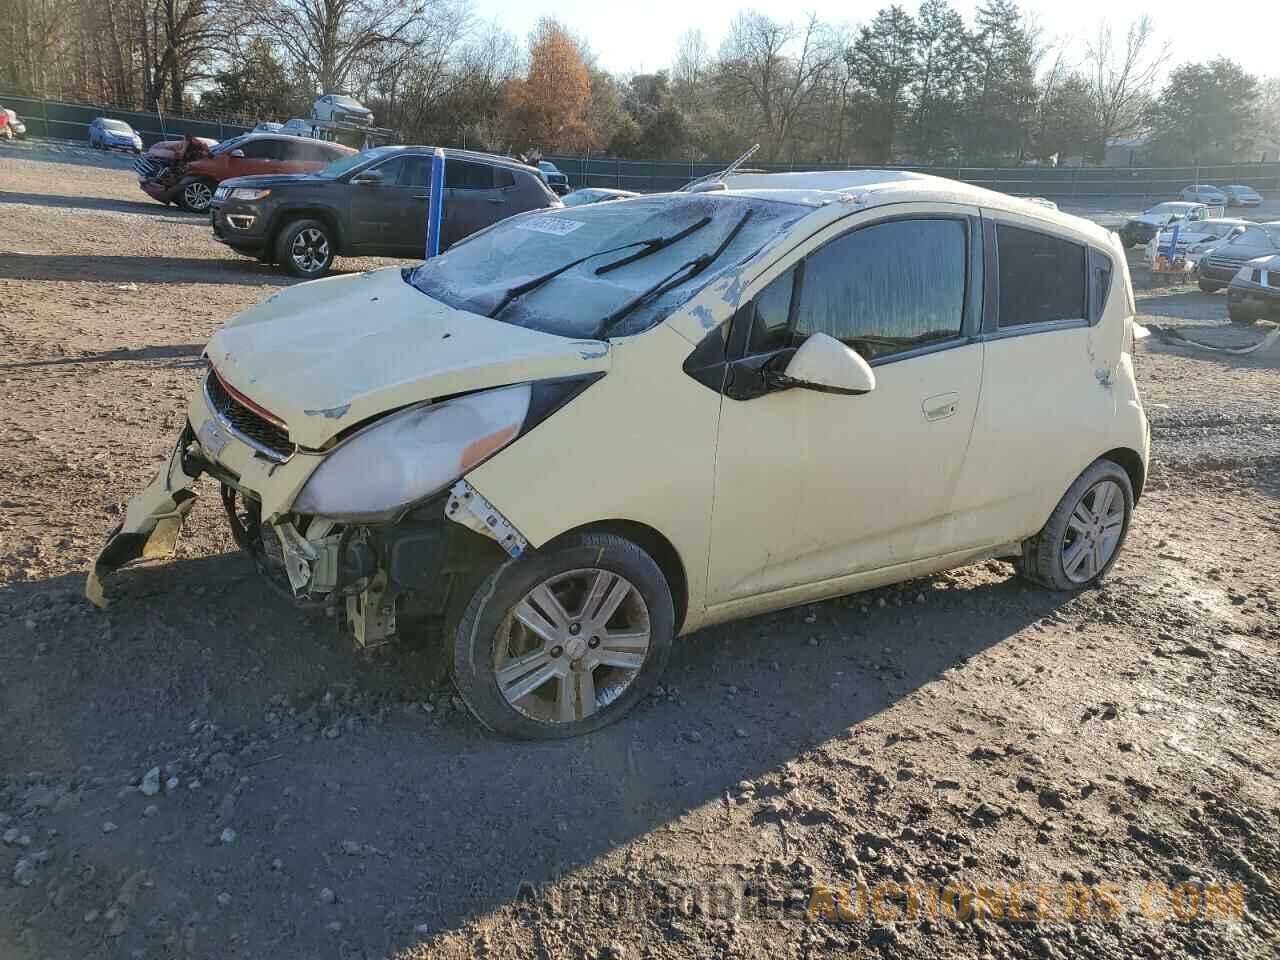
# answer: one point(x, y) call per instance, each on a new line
point(692, 185)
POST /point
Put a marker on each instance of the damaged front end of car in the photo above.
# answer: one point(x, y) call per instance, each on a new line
point(163, 166)
point(375, 526)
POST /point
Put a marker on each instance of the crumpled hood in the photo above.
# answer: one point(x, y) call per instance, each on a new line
point(331, 353)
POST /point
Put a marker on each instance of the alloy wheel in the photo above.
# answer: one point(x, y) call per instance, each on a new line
point(1093, 531)
point(310, 250)
point(572, 645)
point(197, 195)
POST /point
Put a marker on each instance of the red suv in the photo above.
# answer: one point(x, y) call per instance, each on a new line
point(187, 171)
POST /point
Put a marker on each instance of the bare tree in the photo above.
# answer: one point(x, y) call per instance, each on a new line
point(1121, 78)
point(328, 39)
point(779, 67)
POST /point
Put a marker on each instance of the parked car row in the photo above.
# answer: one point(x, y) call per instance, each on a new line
point(1233, 195)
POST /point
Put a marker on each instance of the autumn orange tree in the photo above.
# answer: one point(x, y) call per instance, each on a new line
point(548, 109)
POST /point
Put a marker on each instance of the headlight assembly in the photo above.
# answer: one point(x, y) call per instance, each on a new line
point(412, 454)
point(249, 193)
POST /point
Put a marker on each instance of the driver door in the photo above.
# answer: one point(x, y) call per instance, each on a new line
point(813, 489)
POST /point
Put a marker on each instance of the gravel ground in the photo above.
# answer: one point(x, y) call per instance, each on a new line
point(202, 772)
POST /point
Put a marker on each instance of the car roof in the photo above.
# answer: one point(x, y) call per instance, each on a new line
point(871, 188)
point(475, 155)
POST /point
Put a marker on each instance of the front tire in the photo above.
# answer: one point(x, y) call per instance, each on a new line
point(1239, 317)
point(195, 195)
point(1208, 286)
point(1084, 534)
point(305, 248)
point(565, 639)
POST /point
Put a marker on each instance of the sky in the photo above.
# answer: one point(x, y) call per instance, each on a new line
point(642, 38)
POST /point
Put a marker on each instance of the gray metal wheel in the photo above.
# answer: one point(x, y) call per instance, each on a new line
point(310, 251)
point(196, 196)
point(572, 645)
point(1093, 531)
point(1083, 536)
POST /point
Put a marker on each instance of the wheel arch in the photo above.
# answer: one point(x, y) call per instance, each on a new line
point(1132, 463)
point(658, 546)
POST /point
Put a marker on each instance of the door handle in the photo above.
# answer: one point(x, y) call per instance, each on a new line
point(422, 196)
point(496, 200)
point(940, 406)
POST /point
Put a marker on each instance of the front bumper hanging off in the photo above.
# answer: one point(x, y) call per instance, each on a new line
point(152, 520)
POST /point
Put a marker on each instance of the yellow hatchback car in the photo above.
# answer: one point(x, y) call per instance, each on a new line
point(581, 433)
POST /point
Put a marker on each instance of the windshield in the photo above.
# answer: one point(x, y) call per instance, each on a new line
point(117, 126)
point(476, 275)
point(226, 145)
point(345, 164)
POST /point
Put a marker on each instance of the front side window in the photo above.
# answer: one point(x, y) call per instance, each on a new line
point(886, 288)
point(262, 150)
point(770, 315)
point(1042, 277)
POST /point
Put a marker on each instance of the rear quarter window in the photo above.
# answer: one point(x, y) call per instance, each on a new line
point(1041, 277)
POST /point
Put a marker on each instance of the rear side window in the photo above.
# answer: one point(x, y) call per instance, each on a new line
point(1099, 283)
point(465, 175)
point(1042, 277)
point(887, 288)
point(503, 178)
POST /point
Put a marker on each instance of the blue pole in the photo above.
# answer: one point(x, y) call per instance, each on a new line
point(435, 203)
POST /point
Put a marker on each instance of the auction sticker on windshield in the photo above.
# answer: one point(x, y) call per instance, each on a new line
point(558, 226)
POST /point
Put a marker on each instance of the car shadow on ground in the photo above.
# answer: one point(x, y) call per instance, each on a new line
point(182, 355)
point(459, 819)
point(148, 207)
point(109, 269)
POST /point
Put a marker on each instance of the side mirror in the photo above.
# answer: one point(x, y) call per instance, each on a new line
point(1236, 231)
point(238, 153)
point(826, 365)
point(368, 177)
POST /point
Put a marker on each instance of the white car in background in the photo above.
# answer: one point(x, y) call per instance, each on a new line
point(588, 431)
point(1204, 193)
point(1195, 239)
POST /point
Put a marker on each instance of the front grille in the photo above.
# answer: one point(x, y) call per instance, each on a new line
point(257, 430)
point(147, 169)
point(1225, 263)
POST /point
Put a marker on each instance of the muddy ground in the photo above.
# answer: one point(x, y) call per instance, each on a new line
point(963, 730)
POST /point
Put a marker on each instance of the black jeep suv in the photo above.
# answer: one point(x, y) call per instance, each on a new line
point(372, 204)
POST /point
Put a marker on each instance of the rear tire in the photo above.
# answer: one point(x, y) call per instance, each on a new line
point(1208, 286)
point(305, 248)
point(598, 650)
point(1085, 532)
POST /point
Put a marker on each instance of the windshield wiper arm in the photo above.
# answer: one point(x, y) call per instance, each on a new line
point(651, 245)
point(689, 269)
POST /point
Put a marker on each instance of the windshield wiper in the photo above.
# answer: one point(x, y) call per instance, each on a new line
point(681, 274)
point(652, 245)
